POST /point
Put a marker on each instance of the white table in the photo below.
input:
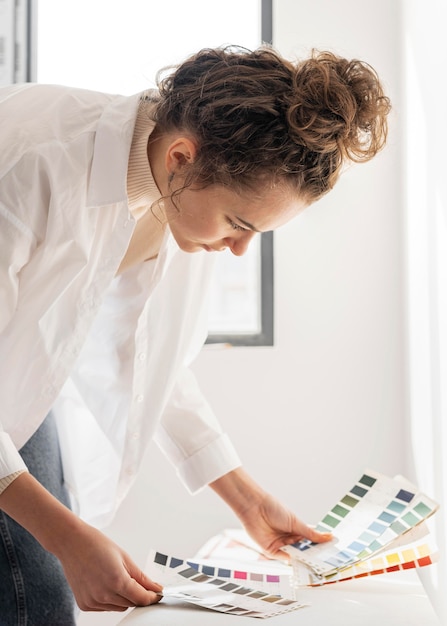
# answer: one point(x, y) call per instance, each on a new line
point(396, 599)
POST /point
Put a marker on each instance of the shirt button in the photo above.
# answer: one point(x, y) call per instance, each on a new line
point(139, 398)
point(142, 356)
point(135, 435)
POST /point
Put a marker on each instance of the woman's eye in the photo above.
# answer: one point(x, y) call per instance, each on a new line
point(235, 226)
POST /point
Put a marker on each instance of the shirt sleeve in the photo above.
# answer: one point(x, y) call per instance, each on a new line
point(192, 438)
point(5, 482)
point(10, 460)
point(16, 245)
point(17, 241)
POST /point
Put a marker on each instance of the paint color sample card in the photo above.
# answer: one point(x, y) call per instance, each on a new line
point(375, 513)
point(220, 589)
point(233, 548)
point(378, 527)
point(402, 556)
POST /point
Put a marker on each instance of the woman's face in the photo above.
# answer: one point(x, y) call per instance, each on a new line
point(216, 218)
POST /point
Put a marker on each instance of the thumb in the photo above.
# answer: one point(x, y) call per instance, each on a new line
point(317, 537)
point(311, 534)
point(142, 579)
point(302, 531)
point(138, 594)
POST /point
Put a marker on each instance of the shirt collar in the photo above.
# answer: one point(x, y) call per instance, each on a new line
point(113, 139)
point(142, 191)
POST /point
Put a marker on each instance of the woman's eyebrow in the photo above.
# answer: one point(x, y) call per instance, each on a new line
point(247, 224)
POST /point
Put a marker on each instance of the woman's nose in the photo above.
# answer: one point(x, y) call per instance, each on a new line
point(239, 244)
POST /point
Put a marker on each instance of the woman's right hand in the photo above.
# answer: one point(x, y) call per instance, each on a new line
point(101, 575)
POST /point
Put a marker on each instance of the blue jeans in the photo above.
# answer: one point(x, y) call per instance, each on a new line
point(33, 588)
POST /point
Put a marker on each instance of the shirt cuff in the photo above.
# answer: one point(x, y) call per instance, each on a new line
point(7, 480)
point(10, 459)
point(208, 464)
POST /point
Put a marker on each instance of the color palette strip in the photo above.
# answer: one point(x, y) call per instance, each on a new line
point(268, 583)
point(213, 590)
point(411, 557)
point(369, 517)
point(262, 581)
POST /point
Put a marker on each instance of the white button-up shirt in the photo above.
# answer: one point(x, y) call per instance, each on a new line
point(108, 354)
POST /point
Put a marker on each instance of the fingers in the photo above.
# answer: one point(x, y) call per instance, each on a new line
point(102, 576)
point(138, 595)
point(121, 603)
point(302, 531)
point(305, 532)
point(150, 597)
point(317, 537)
point(140, 577)
point(121, 592)
point(105, 607)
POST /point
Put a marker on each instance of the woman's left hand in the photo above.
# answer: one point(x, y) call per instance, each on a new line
point(272, 526)
point(266, 520)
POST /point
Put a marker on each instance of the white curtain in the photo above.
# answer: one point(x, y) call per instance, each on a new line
point(425, 168)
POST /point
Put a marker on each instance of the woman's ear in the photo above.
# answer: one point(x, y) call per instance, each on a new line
point(180, 153)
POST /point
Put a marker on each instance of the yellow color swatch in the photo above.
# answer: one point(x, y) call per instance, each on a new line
point(393, 559)
point(409, 555)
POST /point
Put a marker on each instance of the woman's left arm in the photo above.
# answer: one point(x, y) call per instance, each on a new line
point(266, 520)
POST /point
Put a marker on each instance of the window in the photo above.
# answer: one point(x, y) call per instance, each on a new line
point(16, 30)
point(242, 299)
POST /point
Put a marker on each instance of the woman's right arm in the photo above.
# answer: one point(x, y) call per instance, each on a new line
point(101, 575)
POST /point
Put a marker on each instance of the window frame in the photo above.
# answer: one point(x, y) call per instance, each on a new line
point(266, 296)
point(265, 337)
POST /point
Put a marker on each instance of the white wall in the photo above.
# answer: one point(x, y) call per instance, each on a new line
point(329, 399)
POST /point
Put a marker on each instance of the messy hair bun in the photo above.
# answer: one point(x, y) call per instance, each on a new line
point(339, 105)
point(260, 118)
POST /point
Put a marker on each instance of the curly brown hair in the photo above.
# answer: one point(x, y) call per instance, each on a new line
point(259, 118)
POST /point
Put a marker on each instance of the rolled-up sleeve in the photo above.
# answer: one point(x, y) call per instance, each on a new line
point(10, 460)
point(192, 438)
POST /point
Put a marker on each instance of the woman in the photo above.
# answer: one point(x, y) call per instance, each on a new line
point(110, 209)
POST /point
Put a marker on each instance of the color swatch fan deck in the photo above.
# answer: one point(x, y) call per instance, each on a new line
point(379, 526)
point(214, 587)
